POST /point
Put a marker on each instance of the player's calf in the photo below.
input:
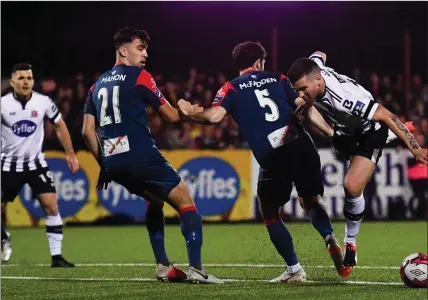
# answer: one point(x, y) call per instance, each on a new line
point(54, 230)
point(191, 228)
point(317, 214)
point(155, 226)
point(278, 233)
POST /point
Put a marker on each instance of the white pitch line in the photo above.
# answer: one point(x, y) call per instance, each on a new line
point(225, 280)
point(227, 265)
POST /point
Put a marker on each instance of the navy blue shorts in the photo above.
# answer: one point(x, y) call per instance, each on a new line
point(157, 177)
point(298, 163)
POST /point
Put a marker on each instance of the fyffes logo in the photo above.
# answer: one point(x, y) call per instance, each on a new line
point(24, 128)
point(213, 184)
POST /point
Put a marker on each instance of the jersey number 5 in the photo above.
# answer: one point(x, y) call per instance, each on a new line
point(103, 96)
point(264, 100)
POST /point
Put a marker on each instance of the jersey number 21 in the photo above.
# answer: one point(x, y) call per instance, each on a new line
point(103, 96)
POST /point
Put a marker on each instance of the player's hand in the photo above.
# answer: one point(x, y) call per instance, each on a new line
point(421, 156)
point(303, 106)
point(73, 163)
point(103, 180)
point(188, 109)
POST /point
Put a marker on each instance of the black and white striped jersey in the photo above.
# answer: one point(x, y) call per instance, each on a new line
point(346, 103)
point(22, 131)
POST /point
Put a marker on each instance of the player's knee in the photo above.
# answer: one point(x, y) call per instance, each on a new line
point(352, 187)
point(308, 202)
point(268, 210)
point(51, 208)
point(180, 197)
point(51, 211)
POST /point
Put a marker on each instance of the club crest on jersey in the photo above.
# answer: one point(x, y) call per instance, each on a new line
point(159, 93)
point(34, 114)
point(358, 108)
point(218, 98)
point(24, 128)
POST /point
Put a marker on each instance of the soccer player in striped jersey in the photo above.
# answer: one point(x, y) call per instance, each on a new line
point(22, 160)
point(362, 127)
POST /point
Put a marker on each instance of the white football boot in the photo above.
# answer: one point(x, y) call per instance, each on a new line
point(6, 248)
point(169, 273)
point(291, 276)
point(201, 276)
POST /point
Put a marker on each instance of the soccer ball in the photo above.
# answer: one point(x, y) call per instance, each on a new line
point(413, 270)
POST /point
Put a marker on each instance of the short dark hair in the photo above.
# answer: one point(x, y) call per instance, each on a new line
point(300, 68)
point(21, 67)
point(128, 34)
point(247, 53)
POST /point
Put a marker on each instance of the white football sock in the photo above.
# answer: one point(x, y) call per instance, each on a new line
point(353, 212)
point(54, 233)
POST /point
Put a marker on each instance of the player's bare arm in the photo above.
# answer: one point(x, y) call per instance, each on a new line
point(314, 116)
point(384, 115)
point(173, 115)
point(65, 139)
point(211, 115)
point(90, 136)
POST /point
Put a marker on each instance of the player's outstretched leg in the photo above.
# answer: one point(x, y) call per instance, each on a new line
point(321, 222)
point(191, 228)
point(6, 244)
point(283, 242)
point(165, 270)
point(359, 173)
point(54, 230)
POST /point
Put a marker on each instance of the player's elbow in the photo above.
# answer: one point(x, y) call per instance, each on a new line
point(216, 118)
point(381, 114)
point(216, 114)
point(87, 132)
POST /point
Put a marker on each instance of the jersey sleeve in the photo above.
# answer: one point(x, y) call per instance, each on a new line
point(223, 96)
point(290, 93)
point(363, 108)
point(151, 93)
point(52, 111)
point(89, 104)
point(318, 59)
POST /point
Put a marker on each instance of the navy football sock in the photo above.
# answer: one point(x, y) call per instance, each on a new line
point(320, 220)
point(282, 240)
point(155, 226)
point(191, 228)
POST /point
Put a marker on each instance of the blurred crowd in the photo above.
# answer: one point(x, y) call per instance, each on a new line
point(70, 93)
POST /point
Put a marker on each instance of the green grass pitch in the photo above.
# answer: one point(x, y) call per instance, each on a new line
point(117, 263)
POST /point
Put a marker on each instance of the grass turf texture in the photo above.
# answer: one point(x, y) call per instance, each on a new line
point(117, 263)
